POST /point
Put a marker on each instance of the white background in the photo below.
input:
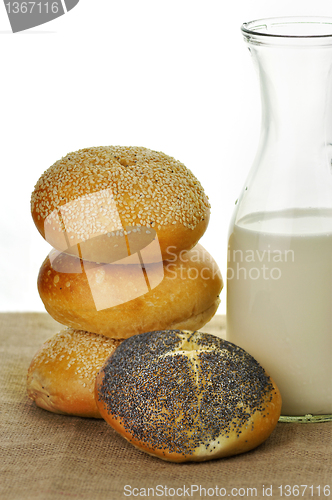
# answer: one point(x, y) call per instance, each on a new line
point(174, 76)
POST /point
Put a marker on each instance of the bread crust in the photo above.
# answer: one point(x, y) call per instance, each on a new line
point(92, 203)
point(119, 301)
point(187, 396)
point(62, 373)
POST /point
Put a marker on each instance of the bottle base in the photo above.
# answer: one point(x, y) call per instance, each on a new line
point(305, 419)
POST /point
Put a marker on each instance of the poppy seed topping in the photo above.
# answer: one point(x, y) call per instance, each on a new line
point(176, 393)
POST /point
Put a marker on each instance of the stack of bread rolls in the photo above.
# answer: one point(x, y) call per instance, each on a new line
point(128, 279)
point(124, 224)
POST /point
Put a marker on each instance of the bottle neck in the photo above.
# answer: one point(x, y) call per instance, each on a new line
point(296, 92)
point(293, 164)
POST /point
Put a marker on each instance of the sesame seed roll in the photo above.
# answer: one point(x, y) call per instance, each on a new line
point(62, 373)
point(103, 203)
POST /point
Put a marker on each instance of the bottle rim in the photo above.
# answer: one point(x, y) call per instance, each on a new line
point(298, 30)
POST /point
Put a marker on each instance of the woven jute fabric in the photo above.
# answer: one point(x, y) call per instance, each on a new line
point(48, 456)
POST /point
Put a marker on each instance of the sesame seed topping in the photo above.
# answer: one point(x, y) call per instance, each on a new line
point(83, 352)
point(103, 190)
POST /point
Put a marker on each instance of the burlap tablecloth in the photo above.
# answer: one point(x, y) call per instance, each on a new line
point(47, 456)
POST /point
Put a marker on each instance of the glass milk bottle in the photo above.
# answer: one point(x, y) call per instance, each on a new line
point(279, 277)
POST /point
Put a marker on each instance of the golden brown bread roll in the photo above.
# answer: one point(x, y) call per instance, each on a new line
point(123, 300)
point(184, 396)
point(105, 203)
point(62, 373)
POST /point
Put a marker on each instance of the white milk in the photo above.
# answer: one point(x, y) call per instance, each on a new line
point(279, 303)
